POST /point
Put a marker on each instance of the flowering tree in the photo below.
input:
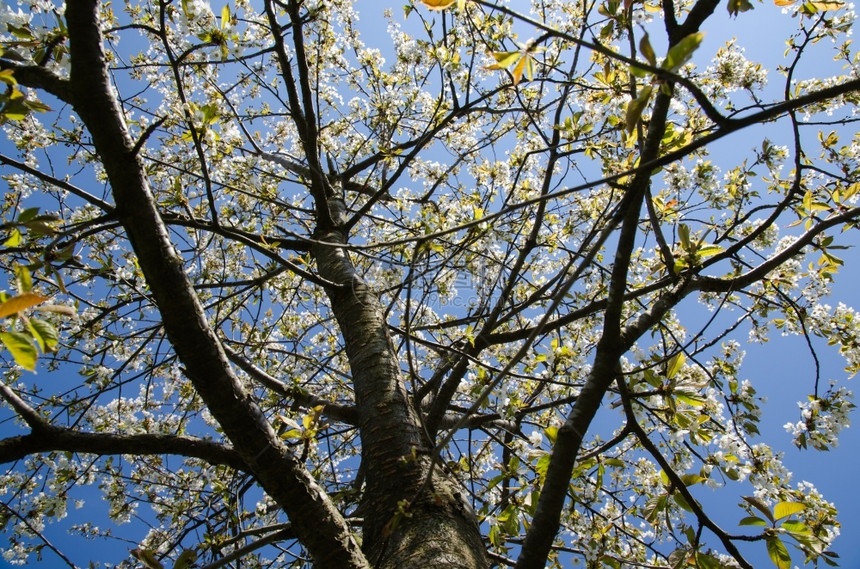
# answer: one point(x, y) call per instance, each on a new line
point(357, 303)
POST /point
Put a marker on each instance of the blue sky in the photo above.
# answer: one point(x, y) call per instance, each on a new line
point(781, 370)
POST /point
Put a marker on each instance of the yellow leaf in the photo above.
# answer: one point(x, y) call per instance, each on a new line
point(518, 69)
point(784, 2)
point(20, 302)
point(828, 5)
point(504, 59)
point(438, 4)
point(6, 77)
point(225, 16)
point(14, 239)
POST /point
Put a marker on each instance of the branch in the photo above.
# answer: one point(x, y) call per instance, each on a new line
point(239, 552)
point(62, 184)
point(675, 480)
point(51, 438)
point(37, 77)
point(322, 529)
point(46, 437)
point(343, 413)
point(713, 284)
point(610, 347)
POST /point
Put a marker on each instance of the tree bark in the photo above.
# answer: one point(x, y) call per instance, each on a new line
point(317, 522)
point(414, 515)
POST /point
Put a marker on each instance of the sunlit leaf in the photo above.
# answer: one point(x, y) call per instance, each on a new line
point(705, 251)
point(438, 4)
point(752, 521)
point(646, 50)
point(504, 59)
point(21, 347)
point(692, 479)
point(24, 278)
point(682, 51)
point(225, 16)
point(20, 302)
point(7, 77)
point(778, 553)
point(785, 509)
point(674, 365)
point(14, 239)
point(690, 400)
point(636, 106)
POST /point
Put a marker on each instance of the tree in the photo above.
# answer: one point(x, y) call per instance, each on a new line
point(348, 307)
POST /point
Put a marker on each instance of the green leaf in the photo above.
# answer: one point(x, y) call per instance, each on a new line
point(44, 333)
point(24, 278)
point(778, 553)
point(682, 501)
point(636, 106)
point(684, 236)
point(6, 77)
point(28, 214)
point(692, 479)
point(785, 509)
point(735, 6)
point(186, 559)
point(147, 557)
point(21, 347)
point(654, 506)
point(40, 227)
point(690, 400)
point(646, 50)
point(675, 364)
point(752, 521)
point(705, 561)
point(525, 64)
point(709, 251)
point(682, 51)
point(796, 527)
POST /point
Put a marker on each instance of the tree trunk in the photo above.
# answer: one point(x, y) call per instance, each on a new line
point(316, 520)
point(414, 515)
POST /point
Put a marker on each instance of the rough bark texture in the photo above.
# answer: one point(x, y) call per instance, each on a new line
point(409, 521)
point(317, 522)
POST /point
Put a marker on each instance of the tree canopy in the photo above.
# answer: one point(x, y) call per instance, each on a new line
point(465, 286)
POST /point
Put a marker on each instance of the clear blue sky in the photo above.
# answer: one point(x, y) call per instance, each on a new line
point(781, 370)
